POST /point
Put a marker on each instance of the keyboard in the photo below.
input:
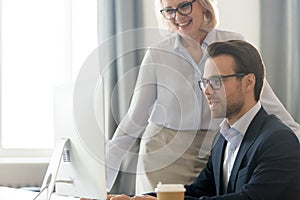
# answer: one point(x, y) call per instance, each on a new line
point(7, 193)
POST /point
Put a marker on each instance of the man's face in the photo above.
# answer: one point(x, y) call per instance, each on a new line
point(228, 100)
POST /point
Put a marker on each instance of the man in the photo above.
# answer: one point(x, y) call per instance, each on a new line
point(265, 162)
point(255, 155)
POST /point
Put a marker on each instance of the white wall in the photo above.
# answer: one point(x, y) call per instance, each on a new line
point(241, 16)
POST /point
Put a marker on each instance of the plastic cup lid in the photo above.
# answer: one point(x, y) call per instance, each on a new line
point(170, 188)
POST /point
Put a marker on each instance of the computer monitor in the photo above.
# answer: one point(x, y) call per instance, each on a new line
point(77, 167)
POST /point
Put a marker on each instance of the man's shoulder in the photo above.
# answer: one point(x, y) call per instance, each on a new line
point(272, 122)
point(272, 126)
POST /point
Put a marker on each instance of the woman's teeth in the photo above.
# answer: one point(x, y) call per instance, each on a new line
point(183, 24)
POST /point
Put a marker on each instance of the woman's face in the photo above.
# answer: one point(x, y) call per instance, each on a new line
point(186, 25)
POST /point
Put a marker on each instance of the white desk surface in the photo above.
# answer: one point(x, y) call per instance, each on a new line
point(7, 193)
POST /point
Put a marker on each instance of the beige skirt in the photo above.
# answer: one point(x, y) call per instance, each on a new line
point(171, 156)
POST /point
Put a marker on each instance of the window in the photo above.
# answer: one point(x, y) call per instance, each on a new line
point(43, 44)
point(32, 64)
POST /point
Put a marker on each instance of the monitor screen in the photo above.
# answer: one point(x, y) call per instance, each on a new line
point(77, 167)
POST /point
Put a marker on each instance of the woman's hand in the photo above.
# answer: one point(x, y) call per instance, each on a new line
point(125, 197)
point(113, 197)
point(117, 197)
point(143, 197)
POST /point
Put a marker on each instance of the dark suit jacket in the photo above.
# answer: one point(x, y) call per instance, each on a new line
point(267, 166)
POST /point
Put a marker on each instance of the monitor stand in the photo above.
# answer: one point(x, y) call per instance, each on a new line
point(61, 150)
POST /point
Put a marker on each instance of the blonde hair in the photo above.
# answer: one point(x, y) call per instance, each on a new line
point(210, 16)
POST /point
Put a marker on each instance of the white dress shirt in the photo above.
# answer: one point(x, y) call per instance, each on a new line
point(241, 126)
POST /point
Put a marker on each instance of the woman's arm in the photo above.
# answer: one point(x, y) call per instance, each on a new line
point(134, 122)
point(273, 105)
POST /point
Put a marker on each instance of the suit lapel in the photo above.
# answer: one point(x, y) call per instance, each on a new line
point(218, 162)
point(249, 138)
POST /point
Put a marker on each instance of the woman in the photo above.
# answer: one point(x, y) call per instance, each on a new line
point(168, 111)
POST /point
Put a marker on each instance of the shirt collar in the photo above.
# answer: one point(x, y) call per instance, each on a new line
point(243, 123)
point(177, 43)
point(210, 38)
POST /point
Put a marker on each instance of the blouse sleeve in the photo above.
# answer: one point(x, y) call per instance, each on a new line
point(135, 120)
point(273, 106)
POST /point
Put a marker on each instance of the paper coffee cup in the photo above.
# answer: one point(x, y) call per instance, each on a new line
point(170, 191)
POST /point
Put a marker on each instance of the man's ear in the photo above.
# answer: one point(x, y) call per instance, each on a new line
point(249, 82)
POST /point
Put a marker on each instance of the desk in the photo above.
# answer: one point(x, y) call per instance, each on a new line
point(7, 193)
